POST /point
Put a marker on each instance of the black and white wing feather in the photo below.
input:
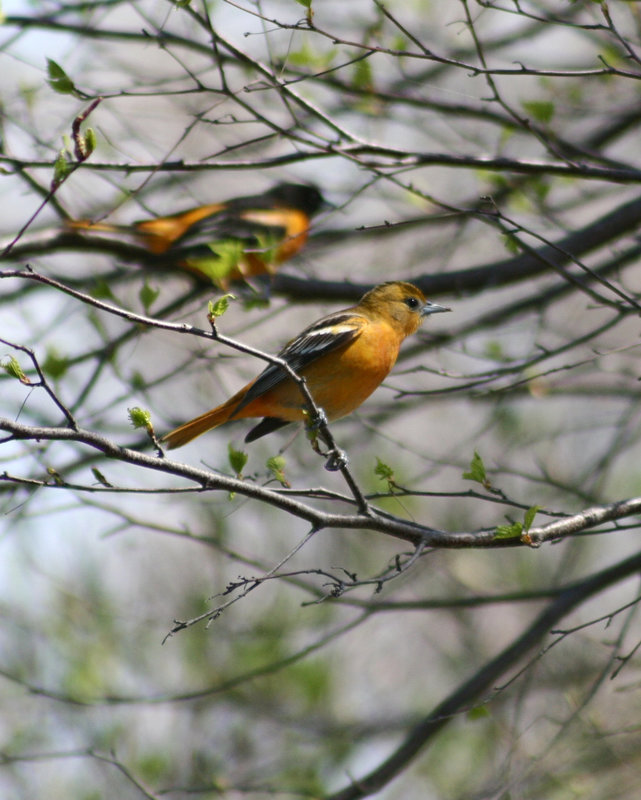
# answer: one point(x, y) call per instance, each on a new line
point(324, 336)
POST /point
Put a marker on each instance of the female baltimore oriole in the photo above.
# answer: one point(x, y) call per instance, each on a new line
point(267, 228)
point(343, 358)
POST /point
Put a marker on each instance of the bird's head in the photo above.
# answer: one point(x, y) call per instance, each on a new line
point(402, 302)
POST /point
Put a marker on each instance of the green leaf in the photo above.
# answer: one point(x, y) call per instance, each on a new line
point(383, 471)
point(12, 367)
point(611, 54)
point(58, 79)
point(512, 531)
point(307, 56)
point(228, 253)
point(61, 167)
point(57, 477)
point(529, 517)
point(101, 478)
point(54, 364)
point(540, 188)
point(140, 418)
point(363, 78)
point(225, 258)
point(255, 301)
point(237, 459)
point(137, 381)
point(477, 472)
point(511, 244)
point(218, 307)
point(102, 291)
point(153, 766)
point(267, 247)
point(88, 143)
point(517, 529)
point(386, 473)
point(494, 350)
point(478, 712)
point(276, 465)
point(147, 296)
point(495, 180)
point(311, 680)
point(540, 110)
point(305, 3)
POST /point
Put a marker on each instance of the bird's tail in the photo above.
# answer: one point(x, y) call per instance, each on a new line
point(205, 422)
point(98, 227)
point(157, 235)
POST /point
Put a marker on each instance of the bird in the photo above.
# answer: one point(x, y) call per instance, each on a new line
point(235, 239)
point(343, 357)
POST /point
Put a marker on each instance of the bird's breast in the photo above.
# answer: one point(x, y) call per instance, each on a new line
point(341, 381)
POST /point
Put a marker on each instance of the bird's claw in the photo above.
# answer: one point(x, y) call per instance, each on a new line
point(319, 420)
point(336, 460)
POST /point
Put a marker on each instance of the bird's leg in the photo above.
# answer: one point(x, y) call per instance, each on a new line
point(313, 426)
point(336, 458)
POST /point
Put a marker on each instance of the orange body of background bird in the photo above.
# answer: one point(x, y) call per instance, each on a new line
point(267, 228)
point(343, 357)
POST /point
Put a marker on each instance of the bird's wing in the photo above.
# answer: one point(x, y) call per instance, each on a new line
point(324, 336)
point(228, 224)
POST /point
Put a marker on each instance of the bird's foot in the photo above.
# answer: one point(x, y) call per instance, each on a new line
point(315, 424)
point(336, 460)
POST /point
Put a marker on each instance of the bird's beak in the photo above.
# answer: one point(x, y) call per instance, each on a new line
point(432, 308)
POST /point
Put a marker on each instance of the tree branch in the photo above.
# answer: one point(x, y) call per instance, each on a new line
point(472, 691)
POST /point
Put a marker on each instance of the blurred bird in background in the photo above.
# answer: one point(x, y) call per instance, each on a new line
point(236, 239)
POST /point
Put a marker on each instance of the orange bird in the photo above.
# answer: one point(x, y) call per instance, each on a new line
point(343, 358)
point(232, 240)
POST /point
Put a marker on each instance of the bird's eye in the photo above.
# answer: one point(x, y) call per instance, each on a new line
point(412, 302)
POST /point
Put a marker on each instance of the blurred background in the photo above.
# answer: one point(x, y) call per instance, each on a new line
point(488, 153)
